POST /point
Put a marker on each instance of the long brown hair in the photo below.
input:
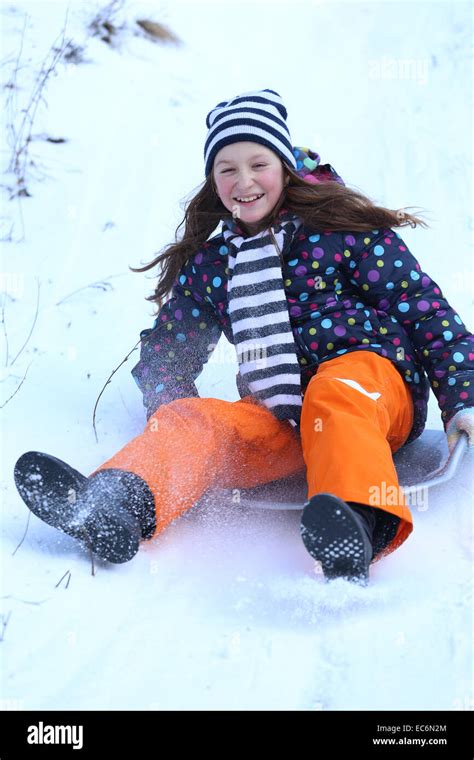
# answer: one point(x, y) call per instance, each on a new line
point(324, 206)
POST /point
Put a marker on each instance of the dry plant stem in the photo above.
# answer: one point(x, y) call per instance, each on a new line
point(32, 326)
point(24, 534)
point(106, 384)
point(22, 135)
point(2, 406)
point(5, 620)
point(68, 573)
point(5, 329)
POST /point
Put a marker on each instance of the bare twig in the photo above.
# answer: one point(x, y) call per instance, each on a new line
point(18, 386)
point(11, 104)
point(32, 326)
point(101, 284)
point(25, 601)
point(21, 136)
point(104, 24)
point(106, 384)
point(35, 100)
point(24, 534)
point(61, 579)
point(8, 237)
point(5, 619)
point(22, 219)
point(4, 327)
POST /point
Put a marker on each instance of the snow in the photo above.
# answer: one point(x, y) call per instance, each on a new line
point(225, 609)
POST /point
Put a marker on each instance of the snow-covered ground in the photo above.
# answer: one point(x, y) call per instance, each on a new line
point(224, 609)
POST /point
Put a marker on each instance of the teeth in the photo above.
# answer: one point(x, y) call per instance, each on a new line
point(250, 198)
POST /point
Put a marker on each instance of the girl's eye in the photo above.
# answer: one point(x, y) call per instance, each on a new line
point(225, 171)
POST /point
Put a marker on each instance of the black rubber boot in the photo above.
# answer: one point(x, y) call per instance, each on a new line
point(340, 536)
point(109, 512)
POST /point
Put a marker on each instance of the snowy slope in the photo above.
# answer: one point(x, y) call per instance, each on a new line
point(224, 609)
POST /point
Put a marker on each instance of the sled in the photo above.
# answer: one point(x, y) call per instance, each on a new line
point(422, 464)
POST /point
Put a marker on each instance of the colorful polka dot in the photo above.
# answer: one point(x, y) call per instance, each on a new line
point(371, 289)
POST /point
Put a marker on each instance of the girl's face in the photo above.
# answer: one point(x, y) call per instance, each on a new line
point(249, 179)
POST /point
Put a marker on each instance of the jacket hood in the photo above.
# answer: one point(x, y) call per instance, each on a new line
point(309, 167)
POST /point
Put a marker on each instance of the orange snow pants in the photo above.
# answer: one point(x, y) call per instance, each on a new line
point(357, 410)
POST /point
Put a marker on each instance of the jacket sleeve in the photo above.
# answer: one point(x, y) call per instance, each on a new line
point(174, 351)
point(391, 279)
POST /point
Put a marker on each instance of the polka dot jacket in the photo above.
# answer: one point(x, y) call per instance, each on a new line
point(346, 291)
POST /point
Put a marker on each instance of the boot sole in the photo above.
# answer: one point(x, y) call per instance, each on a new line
point(49, 487)
point(333, 536)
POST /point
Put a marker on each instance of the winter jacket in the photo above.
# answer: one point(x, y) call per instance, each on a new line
point(347, 291)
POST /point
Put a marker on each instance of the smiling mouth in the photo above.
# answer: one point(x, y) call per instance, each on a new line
point(251, 198)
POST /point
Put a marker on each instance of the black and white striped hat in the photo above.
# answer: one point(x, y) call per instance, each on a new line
point(258, 116)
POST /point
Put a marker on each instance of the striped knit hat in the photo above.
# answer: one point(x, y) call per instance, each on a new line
point(258, 116)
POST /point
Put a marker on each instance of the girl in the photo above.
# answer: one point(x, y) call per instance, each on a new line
point(337, 332)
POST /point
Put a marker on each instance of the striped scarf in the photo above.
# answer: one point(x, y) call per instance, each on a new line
point(259, 317)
